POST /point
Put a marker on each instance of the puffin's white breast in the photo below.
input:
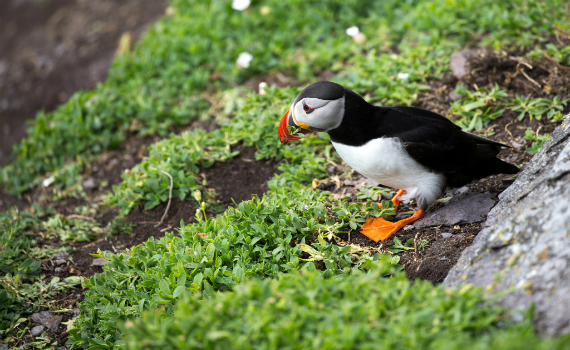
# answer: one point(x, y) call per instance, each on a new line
point(385, 160)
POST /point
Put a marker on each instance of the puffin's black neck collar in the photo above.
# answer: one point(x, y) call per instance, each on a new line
point(357, 123)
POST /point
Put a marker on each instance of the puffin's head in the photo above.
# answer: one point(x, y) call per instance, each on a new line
point(319, 107)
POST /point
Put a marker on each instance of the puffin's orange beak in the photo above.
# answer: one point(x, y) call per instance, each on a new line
point(285, 135)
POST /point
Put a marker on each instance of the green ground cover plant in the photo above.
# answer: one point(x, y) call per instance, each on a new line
point(24, 289)
point(477, 109)
point(537, 140)
point(538, 107)
point(353, 310)
point(261, 237)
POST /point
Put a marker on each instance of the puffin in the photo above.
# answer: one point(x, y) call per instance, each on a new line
point(418, 152)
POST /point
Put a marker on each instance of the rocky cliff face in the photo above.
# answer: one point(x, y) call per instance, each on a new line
point(524, 248)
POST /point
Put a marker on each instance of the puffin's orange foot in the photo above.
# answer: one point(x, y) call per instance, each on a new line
point(379, 229)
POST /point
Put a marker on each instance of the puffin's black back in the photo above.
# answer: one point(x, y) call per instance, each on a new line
point(429, 138)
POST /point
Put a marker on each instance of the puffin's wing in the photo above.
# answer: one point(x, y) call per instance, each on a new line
point(417, 112)
point(436, 142)
point(438, 150)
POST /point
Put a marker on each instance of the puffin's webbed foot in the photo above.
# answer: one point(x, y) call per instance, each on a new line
point(379, 229)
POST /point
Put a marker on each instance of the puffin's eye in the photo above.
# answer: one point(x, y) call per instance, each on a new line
point(308, 109)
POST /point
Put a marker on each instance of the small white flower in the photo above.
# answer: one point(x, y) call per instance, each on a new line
point(262, 86)
point(265, 10)
point(352, 31)
point(240, 5)
point(48, 181)
point(244, 59)
point(359, 38)
point(393, 56)
point(403, 75)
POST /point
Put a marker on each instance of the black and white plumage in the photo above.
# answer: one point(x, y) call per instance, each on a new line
point(415, 150)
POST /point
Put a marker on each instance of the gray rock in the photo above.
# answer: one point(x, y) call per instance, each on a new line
point(40, 317)
point(458, 62)
point(526, 240)
point(37, 330)
point(331, 169)
point(454, 96)
point(61, 255)
point(446, 234)
point(464, 208)
point(47, 319)
point(59, 262)
point(363, 181)
point(99, 262)
point(53, 324)
point(89, 184)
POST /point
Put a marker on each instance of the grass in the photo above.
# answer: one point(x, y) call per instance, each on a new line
point(253, 253)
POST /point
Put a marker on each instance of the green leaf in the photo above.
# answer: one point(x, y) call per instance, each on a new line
point(164, 286)
point(178, 290)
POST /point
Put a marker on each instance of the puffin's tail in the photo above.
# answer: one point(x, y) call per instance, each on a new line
point(480, 170)
point(493, 166)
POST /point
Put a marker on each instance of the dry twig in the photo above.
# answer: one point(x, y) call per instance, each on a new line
point(416, 246)
point(169, 195)
point(526, 76)
point(561, 31)
point(75, 216)
point(507, 129)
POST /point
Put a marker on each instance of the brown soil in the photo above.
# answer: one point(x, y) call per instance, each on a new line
point(235, 180)
point(50, 49)
point(239, 179)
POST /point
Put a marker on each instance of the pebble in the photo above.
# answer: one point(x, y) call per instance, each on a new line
point(89, 184)
point(47, 319)
point(99, 262)
point(37, 330)
point(454, 96)
point(61, 255)
point(458, 62)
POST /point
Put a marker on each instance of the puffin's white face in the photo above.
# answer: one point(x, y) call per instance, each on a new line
point(318, 115)
point(319, 107)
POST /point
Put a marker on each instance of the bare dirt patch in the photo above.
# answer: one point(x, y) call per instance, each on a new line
point(50, 49)
point(235, 180)
point(240, 178)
